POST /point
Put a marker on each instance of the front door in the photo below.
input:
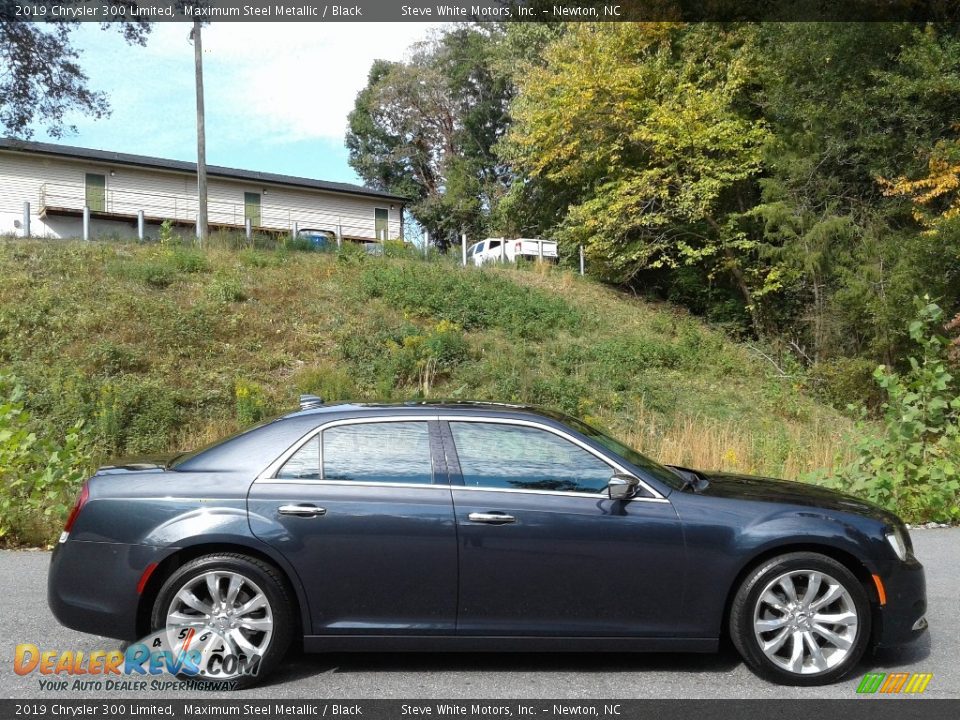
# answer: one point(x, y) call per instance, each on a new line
point(544, 552)
point(95, 192)
point(366, 519)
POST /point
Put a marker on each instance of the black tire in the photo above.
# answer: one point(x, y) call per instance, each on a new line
point(746, 608)
point(266, 577)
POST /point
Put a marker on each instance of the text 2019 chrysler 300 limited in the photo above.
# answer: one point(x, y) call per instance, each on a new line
point(473, 526)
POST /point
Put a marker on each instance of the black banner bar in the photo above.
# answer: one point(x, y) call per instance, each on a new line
point(479, 10)
point(873, 708)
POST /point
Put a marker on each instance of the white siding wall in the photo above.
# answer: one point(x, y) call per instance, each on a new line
point(167, 195)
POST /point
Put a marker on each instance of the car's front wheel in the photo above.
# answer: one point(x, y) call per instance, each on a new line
point(801, 619)
point(233, 611)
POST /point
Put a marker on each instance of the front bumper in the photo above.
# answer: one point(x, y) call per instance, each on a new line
point(92, 586)
point(903, 618)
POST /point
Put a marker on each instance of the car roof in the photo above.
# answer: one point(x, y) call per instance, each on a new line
point(439, 407)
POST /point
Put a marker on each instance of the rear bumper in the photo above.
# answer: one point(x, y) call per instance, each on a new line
point(903, 618)
point(92, 586)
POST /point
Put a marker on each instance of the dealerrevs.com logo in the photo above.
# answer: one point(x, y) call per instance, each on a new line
point(199, 658)
point(893, 683)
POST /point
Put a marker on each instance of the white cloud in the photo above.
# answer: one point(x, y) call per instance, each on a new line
point(299, 80)
point(278, 94)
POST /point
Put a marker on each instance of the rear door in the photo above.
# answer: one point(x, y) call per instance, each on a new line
point(362, 510)
point(544, 551)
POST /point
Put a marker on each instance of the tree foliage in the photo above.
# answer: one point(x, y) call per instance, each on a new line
point(426, 128)
point(797, 182)
point(653, 151)
point(740, 169)
point(914, 467)
point(41, 78)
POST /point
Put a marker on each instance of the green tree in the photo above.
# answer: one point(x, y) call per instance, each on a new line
point(425, 129)
point(646, 128)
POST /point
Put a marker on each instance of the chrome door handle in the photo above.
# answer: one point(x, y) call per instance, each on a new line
point(302, 510)
point(491, 518)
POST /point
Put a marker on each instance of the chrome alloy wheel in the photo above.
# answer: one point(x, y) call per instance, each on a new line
point(805, 622)
point(231, 605)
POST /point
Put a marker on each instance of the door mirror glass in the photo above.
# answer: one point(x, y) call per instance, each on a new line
point(622, 486)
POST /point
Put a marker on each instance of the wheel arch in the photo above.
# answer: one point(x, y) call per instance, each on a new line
point(184, 554)
point(854, 564)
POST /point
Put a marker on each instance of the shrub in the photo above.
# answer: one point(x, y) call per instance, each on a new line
point(154, 273)
point(844, 381)
point(470, 299)
point(38, 475)
point(913, 468)
point(185, 260)
point(226, 289)
point(135, 416)
point(107, 357)
point(328, 381)
point(251, 402)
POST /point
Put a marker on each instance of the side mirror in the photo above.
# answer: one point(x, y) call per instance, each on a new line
point(622, 486)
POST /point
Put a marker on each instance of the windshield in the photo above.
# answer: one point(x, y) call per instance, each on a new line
point(661, 473)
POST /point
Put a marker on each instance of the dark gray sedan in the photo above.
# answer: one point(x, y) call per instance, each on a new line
point(474, 526)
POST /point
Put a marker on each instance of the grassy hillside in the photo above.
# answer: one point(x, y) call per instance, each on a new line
point(162, 348)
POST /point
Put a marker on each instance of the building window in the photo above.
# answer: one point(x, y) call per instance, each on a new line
point(96, 192)
point(382, 216)
point(251, 208)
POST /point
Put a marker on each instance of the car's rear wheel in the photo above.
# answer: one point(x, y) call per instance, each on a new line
point(240, 612)
point(801, 619)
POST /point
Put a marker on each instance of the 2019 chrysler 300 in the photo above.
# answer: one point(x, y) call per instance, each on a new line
point(476, 526)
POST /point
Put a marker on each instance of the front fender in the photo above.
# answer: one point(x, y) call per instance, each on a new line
point(726, 537)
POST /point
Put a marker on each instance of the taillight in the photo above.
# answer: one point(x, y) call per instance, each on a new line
point(77, 507)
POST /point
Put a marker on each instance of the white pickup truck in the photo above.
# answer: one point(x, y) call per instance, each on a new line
point(504, 250)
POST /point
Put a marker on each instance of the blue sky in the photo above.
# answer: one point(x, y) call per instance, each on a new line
point(277, 94)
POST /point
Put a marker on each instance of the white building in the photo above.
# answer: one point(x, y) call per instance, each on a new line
point(59, 181)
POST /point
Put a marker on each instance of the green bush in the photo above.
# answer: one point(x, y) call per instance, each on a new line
point(844, 381)
point(251, 402)
point(470, 299)
point(135, 416)
point(406, 356)
point(39, 476)
point(226, 288)
point(153, 273)
point(185, 260)
point(106, 357)
point(330, 382)
point(913, 468)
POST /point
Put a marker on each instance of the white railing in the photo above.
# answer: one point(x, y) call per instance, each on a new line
point(182, 208)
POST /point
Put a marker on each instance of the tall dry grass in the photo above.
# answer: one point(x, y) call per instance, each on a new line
point(708, 444)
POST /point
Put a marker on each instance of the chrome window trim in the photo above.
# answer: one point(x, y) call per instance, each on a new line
point(269, 475)
point(657, 497)
point(351, 483)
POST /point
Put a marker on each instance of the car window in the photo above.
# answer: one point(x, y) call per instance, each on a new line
point(396, 452)
point(304, 463)
point(497, 455)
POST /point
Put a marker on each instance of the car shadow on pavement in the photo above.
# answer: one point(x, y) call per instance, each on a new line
point(895, 657)
point(300, 665)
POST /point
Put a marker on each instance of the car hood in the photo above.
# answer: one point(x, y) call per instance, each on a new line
point(762, 489)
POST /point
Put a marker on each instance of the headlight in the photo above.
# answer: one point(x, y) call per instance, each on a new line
point(898, 542)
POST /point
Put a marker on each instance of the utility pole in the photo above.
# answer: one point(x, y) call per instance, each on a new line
point(201, 138)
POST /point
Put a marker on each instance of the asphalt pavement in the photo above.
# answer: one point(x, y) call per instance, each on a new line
point(24, 617)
